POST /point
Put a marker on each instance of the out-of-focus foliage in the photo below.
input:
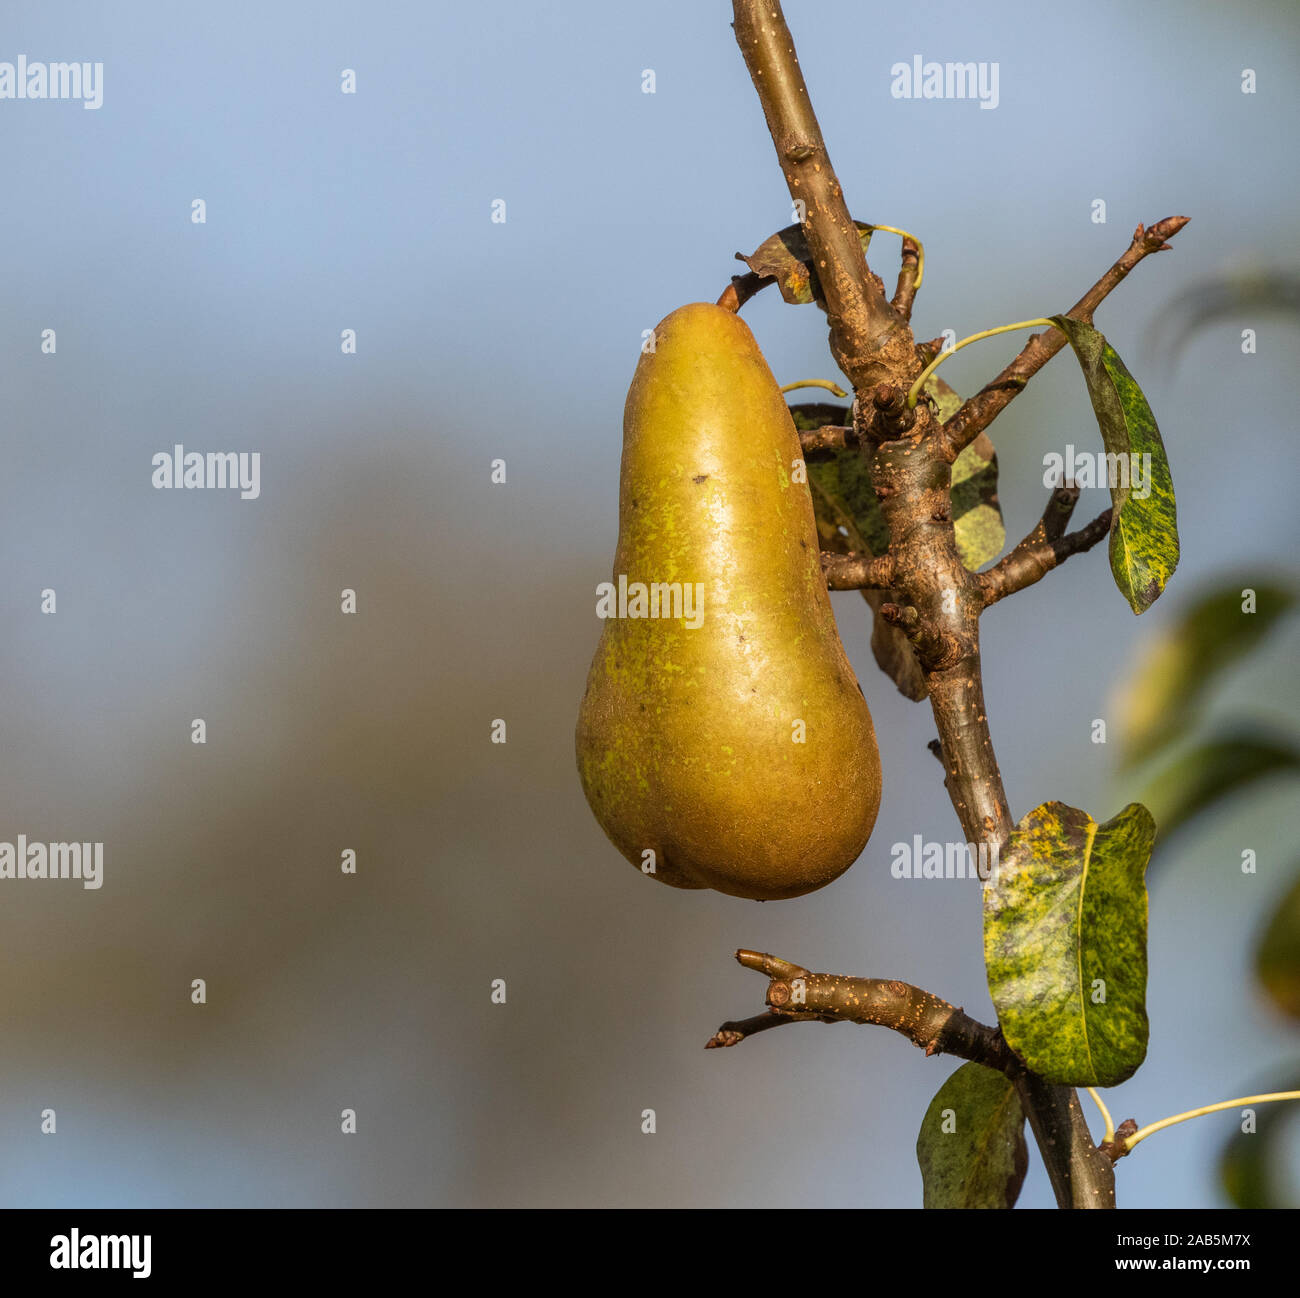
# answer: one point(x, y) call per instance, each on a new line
point(1255, 290)
point(1203, 776)
point(1162, 694)
point(1249, 1169)
point(1159, 705)
point(1277, 957)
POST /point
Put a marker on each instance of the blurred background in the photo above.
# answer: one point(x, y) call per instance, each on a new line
point(479, 340)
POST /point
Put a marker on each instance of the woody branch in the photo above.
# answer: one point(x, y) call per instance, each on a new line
point(937, 601)
point(979, 411)
point(797, 994)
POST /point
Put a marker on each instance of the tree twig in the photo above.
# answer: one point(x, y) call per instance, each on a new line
point(927, 351)
point(734, 1031)
point(1036, 556)
point(1057, 514)
point(856, 308)
point(1117, 1146)
point(857, 571)
point(980, 410)
point(820, 443)
point(795, 993)
point(905, 293)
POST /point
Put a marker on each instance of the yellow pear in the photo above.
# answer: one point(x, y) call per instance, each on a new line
point(723, 741)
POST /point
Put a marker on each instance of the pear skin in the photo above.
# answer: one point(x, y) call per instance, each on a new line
point(723, 741)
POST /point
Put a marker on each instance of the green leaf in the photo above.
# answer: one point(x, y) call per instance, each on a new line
point(1160, 697)
point(1208, 773)
point(1143, 532)
point(845, 503)
point(1065, 923)
point(972, 1143)
point(1277, 956)
point(976, 513)
point(784, 257)
point(1250, 1170)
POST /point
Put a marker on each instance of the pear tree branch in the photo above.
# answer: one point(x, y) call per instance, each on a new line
point(734, 1031)
point(856, 308)
point(742, 288)
point(980, 410)
point(797, 994)
point(1056, 514)
point(821, 443)
point(905, 292)
point(933, 598)
point(1036, 556)
point(857, 571)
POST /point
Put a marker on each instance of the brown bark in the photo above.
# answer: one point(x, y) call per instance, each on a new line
point(1037, 555)
point(857, 571)
point(863, 326)
point(821, 443)
point(796, 994)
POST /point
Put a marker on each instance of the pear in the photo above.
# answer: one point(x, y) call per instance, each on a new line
point(723, 741)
